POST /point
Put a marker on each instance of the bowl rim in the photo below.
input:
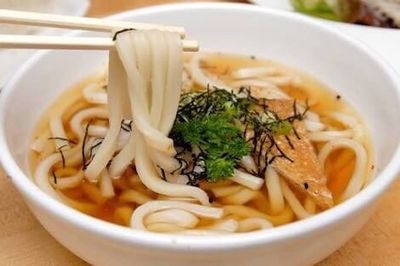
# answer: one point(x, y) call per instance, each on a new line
point(129, 236)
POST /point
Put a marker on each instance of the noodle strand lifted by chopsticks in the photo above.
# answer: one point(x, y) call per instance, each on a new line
point(115, 98)
point(151, 131)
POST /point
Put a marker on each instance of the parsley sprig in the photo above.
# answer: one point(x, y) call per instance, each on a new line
point(220, 141)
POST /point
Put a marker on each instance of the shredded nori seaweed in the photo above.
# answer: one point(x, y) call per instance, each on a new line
point(85, 137)
point(259, 126)
point(121, 31)
point(126, 125)
point(64, 139)
point(54, 177)
point(62, 154)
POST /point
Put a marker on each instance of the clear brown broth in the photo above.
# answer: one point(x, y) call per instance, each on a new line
point(86, 197)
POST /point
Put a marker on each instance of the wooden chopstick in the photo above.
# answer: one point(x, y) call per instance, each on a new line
point(60, 21)
point(70, 43)
point(92, 24)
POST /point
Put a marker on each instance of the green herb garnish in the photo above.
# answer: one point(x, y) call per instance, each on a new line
point(282, 127)
point(338, 10)
point(220, 141)
point(211, 133)
point(219, 168)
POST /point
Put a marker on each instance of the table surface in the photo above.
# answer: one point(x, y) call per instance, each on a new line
point(23, 241)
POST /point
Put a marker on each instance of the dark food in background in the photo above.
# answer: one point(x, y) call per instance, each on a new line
point(380, 13)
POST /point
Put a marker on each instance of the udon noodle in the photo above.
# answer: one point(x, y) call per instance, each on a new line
point(115, 146)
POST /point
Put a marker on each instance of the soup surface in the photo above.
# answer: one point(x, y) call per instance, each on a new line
point(336, 167)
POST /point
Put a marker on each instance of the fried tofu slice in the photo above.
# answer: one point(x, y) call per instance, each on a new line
point(304, 172)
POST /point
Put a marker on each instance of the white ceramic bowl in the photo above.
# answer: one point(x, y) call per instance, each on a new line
point(347, 66)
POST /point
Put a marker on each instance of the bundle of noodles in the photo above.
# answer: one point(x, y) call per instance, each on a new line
point(151, 65)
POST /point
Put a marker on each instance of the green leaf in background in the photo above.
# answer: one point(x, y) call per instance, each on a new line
point(338, 10)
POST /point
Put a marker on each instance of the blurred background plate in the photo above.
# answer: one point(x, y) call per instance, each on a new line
point(11, 60)
point(385, 41)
